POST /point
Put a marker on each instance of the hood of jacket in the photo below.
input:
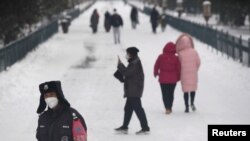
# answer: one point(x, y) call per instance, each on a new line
point(184, 42)
point(169, 48)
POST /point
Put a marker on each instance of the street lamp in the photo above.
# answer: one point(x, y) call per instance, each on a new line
point(206, 10)
point(164, 5)
point(179, 8)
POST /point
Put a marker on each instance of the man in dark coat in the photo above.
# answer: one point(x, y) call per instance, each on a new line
point(107, 21)
point(133, 89)
point(55, 124)
point(134, 17)
point(116, 22)
point(154, 19)
point(94, 20)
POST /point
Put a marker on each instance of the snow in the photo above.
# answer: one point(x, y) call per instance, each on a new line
point(85, 64)
point(243, 31)
point(206, 3)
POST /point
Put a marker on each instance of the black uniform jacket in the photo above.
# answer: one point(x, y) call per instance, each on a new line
point(57, 125)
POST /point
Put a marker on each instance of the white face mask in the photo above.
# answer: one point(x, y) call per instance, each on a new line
point(51, 102)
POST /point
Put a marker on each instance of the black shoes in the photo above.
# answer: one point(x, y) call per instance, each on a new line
point(122, 129)
point(143, 132)
point(187, 110)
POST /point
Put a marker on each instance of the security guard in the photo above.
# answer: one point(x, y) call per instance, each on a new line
point(55, 124)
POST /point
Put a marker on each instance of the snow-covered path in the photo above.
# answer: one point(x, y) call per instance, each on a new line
point(85, 64)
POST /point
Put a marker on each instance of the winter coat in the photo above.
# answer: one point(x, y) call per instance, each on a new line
point(107, 21)
point(94, 20)
point(190, 63)
point(163, 20)
point(167, 66)
point(154, 17)
point(116, 20)
point(134, 78)
point(134, 15)
point(57, 125)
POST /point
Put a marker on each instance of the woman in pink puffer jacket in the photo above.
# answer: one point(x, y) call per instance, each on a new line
point(190, 63)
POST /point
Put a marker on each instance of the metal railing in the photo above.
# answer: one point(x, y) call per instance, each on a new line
point(18, 49)
point(234, 47)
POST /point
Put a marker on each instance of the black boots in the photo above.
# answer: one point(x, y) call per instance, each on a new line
point(143, 131)
point(122, 129)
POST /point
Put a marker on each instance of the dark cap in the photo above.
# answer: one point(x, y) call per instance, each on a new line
point(133, 51)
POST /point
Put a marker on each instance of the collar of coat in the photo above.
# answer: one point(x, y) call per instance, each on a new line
point(134, 59)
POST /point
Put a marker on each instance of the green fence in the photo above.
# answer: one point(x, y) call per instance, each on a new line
point(18, 49)
point(234, 47)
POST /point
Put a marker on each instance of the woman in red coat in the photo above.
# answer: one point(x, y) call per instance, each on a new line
point(167, 67)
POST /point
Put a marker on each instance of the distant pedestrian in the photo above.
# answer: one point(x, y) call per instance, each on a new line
point(167, 67)
point(134, 17)
point(116, 22)
point(107, 21)
point(154, 19)
point(133, 89)
point(190, 63)
point(60, 122)
point(163, 21)
point(94, 20)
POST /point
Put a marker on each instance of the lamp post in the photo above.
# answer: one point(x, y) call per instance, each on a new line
point(207, 10)
point(164, 5)
point(179, 8)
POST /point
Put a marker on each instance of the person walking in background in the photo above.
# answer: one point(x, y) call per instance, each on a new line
point(134, 17)
point(163, 21)
point(190, 63)
point(94, 20)
point(154, 19)
point(59, 122)
point(133, 88)
point(107, 20)
point(116, 22)
point(167, 67)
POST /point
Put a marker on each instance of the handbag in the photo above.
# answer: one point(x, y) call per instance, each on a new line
point(118, 75)
point(78, 131)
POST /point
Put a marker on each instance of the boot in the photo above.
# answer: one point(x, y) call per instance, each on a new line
point(193, 107)
point(168, 111)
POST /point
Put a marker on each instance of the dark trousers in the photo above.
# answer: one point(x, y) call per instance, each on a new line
point(154, 26)
point(134, 104)
point(134, 24)
point(94, 29)
point(168, 95)
point(186, 98)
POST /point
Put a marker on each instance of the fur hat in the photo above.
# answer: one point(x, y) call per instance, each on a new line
point(52, 86)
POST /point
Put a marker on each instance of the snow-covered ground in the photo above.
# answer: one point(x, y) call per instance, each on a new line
point(243, 31)
point(85, 64)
